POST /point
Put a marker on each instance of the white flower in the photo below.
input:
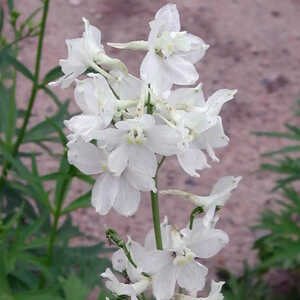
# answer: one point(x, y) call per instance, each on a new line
point(138, 282)
point(171, 52)
point(203, 239)
point(178, 261)
point(121, 192)
point(220, 193)
point(119, 288)
point(190, 107)
point(198, 123)
point(215, 293)
point(86, 52)
point(135, 142)
point(98, 104)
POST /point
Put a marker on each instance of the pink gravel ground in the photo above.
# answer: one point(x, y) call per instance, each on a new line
point(254, 47)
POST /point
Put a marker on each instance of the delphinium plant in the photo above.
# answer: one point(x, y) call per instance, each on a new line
point(126, 129)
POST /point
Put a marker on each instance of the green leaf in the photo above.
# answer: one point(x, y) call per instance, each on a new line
point(58, 129)
point(16, 64)
point(293, 128)
point(44, 130)
point(37, 262)
point(29, 19)
point(56, 100)
point(63, 183)
point(84, 261)
point(74, 288)
point(283, 150)
point(52, 75)
point(10, 4)
point(82, 201)
point(4, 104)
point(14, 220)
point(104, 294)
point(42, 294)
point(276, 135)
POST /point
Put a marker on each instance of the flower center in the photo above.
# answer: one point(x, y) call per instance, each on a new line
point(136, 136)
point(168, 43)
point(183, 256)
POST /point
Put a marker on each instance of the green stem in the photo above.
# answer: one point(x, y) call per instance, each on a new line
point(51, 243)
point(35, 86)
point(156, 220)
point(34, 90)
point(155, 210)
point(57, 214)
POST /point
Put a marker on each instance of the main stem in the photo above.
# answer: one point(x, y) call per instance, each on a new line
point(154, 196)
point(156, 220)
point(155, 210)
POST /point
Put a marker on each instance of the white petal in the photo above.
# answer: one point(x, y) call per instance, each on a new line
point(119, 260)
point(223, 188)
point(146, 121)
point(215, 291)
point(111, 137)
point(139, 180)
point(142, 160)
point(180, 70)
point(226, 184)
point(118, 159)
point(94, 96)
point(86, 157)
point(163, 140)
point(154, 71)
point(214, 137)
point(216, 101)
point(163, 282)
point(187, 96)
point(192, 160)
point(208, 242)
point(115, 286)
point(104, 193)
point(71, 70)
point(198, 49)
point(92, 34)
point(127, 200)
point(166, 19)
point(85, 126)
point(191, 276)
point(149, 261)
point(126, 87)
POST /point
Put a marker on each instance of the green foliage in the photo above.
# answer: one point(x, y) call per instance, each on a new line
point(37, 260)
point(246, 286)
point(279, 247)
point(252, 285)
point(286, 162)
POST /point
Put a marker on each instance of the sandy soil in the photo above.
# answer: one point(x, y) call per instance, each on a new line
point(254, 48)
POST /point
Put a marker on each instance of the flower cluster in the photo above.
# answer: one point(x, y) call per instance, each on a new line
point(126, 128)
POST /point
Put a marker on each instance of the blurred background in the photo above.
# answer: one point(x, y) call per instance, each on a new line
point(255, 48)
